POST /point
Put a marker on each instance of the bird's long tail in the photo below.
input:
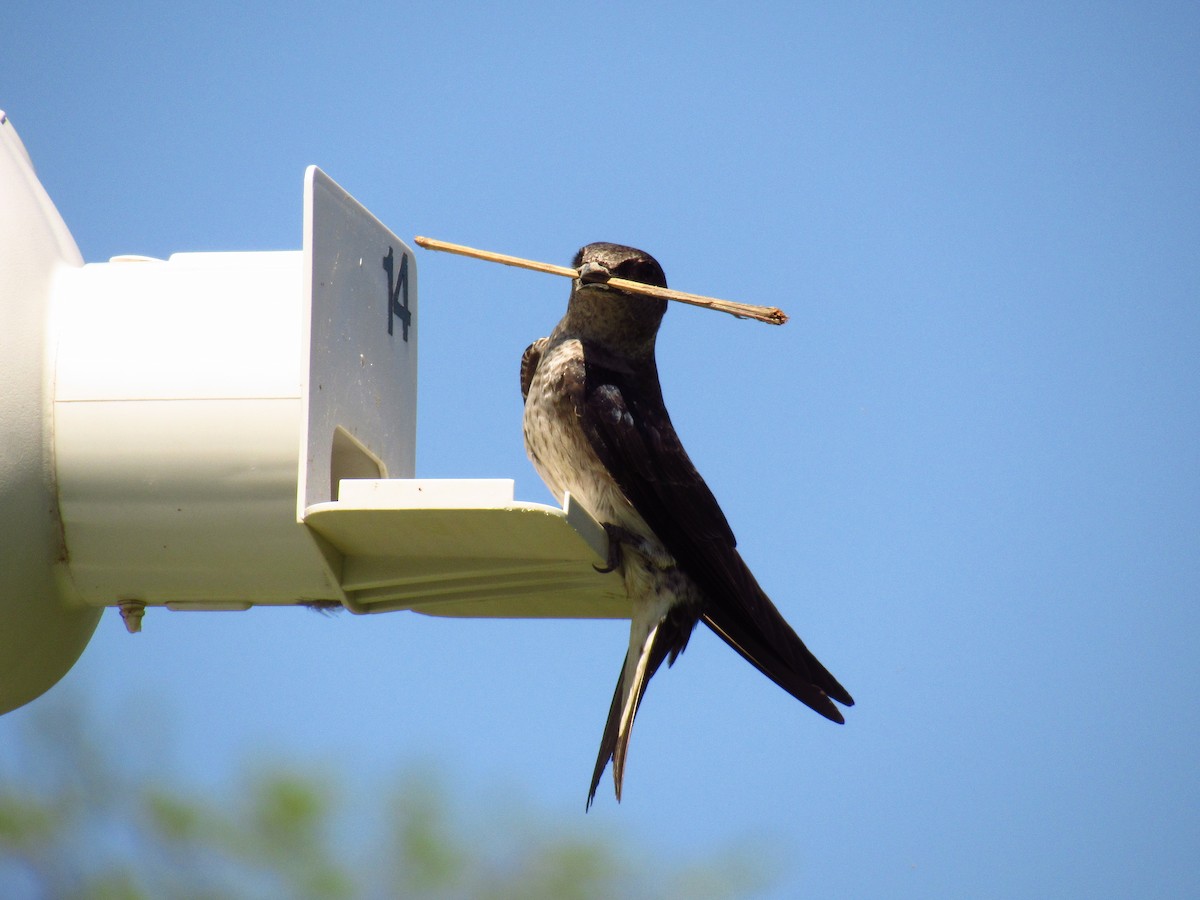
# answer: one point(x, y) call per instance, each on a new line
point(666, 638)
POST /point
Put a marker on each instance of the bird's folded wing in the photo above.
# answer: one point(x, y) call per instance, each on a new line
point(626, 422)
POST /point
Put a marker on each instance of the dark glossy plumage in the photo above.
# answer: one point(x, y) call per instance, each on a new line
point(596, 426)
point(627, 423)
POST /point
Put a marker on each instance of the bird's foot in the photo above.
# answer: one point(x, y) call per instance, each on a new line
point(622, 540)
point(617, 538)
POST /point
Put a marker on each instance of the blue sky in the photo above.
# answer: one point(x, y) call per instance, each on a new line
point(966, 470)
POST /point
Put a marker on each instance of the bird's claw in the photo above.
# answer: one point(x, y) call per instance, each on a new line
point(616, 536)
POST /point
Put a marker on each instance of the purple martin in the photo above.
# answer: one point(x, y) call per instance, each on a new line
point(596, 426)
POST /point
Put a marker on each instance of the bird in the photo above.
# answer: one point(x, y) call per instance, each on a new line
point(596, 426)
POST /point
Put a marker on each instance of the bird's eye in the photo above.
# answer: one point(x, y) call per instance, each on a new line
point(640, 270)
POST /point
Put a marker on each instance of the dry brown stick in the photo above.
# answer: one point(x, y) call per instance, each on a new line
point(769, 314)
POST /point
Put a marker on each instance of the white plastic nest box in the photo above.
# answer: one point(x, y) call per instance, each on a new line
point(223, 430)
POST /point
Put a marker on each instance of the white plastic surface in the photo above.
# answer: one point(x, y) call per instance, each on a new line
point(204, 401)
point(467, 548)
point(359, 386)
point(43, 629)
point(198, 326)
point(179, 432)
point(177, 426)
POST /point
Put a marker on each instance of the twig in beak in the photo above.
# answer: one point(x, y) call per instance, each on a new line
point(770, 314)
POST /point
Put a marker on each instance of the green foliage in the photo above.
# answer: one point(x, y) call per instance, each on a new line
point(79, 821)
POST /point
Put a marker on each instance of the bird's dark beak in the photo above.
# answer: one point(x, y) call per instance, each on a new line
point(593, 273)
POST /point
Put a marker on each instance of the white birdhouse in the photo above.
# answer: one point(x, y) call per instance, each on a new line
point(223, 430)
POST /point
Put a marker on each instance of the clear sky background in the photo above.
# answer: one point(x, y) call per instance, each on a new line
point(968, 470)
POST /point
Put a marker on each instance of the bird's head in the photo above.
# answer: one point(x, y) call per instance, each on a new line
point(618, 319)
